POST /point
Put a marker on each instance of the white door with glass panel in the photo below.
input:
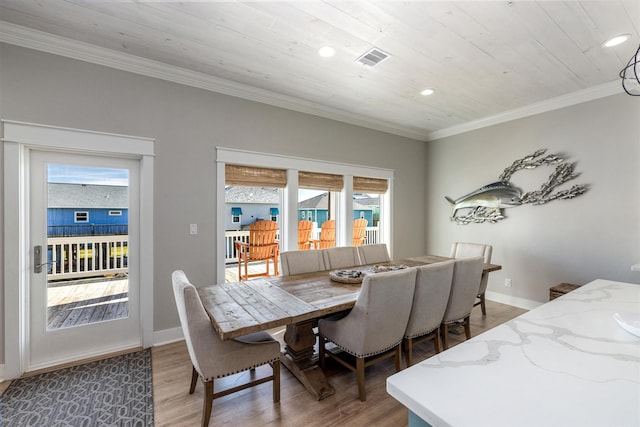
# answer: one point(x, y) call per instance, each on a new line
point(84, 297)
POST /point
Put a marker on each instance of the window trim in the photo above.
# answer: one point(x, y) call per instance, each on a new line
point(76, 214)
point(288, 214)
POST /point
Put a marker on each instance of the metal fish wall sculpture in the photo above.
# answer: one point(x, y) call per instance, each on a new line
point(486, 203)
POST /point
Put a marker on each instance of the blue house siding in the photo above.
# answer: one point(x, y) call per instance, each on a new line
point(61, 222)
point(314, 215)
point(321, 215)
point(364, 213)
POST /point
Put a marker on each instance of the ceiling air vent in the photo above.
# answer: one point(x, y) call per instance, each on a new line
point(372, 58)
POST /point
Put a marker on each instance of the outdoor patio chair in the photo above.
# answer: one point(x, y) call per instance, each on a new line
point(262, 246)
point(359, 231)
point(327, 235)
point(305, 227)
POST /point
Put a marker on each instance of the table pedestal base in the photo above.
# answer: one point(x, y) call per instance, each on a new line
point(312, 378)
point(299, 358)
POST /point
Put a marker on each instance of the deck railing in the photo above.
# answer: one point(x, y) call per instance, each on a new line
point(230, 237)
point(91, 256)
point(86, 256)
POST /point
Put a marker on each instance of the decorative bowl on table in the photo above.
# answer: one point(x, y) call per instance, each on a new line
point(347, 276)
point(380, 268)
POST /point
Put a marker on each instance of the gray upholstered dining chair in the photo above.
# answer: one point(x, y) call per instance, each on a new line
point(373, 254)
point(214, 358)
point(430, 298)
point(464, 288)
point(302, 261)
point(467, 250)
point(374, 328)
point(341, 257)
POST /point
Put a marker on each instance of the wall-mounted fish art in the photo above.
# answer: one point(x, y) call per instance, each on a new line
point(486, 203)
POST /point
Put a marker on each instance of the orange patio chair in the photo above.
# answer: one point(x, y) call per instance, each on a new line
point(262, 246)
point(305, 227)
point(327, 235)
point(359, 231)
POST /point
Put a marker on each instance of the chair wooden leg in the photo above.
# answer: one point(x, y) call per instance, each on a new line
point(360, 372)
point(397, 358)
point(445, 338)
point(275, 265)
point(276, 381)
point(194, 380)
point(483, 307)
point(436, 341)
point(321, 350)
point(208, 403)
point(467, 328)
point(408, 351)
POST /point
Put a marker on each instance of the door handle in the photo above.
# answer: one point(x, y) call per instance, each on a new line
point(37, 259)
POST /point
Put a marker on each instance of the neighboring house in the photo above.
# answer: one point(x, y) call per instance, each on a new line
point(246, 205)
point(371, 202)
point(316, 209)
point(85, 209)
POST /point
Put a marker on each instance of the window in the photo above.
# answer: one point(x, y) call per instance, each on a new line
point(309, 189)
point(236, 213)
point(81, 216)
point(273, 213)
point(115, 213)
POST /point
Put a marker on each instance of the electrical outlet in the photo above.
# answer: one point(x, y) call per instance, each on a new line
point(507, 283)
point(193, 228)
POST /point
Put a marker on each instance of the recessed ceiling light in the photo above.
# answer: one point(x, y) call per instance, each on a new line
point(428, 92)
point(615, 41)
point(326, 51)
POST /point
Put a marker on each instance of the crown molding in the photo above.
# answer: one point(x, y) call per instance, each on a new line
point(574, 98)
point(49, 43)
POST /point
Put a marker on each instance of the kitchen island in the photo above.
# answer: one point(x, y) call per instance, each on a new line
point(565, 363)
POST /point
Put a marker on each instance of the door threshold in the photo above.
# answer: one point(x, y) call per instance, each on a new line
point(81, 362)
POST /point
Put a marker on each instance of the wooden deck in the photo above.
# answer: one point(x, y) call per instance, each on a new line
point(79, 302)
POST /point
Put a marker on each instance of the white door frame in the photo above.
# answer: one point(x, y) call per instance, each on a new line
point(19, 138)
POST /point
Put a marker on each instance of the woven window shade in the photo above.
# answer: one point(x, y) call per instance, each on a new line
point(249, 176)
point(370, 185)
point(320, 181)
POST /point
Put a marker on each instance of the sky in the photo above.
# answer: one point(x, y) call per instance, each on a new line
point(67, 174)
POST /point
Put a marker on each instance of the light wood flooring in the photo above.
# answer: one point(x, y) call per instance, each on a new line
point(174, 406)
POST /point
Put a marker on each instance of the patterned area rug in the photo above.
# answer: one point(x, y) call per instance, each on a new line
point(111, 392)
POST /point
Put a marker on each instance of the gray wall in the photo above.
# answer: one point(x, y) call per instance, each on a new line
point(188, 124)
point(595, 235)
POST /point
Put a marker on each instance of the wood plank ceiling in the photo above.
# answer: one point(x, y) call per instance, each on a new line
point(483, 58)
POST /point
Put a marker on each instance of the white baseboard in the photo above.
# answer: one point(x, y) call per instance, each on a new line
point(167, 336)
point(2, 373)
point(511, 300)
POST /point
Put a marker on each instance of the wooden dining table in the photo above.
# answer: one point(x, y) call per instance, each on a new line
point(296, 302)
